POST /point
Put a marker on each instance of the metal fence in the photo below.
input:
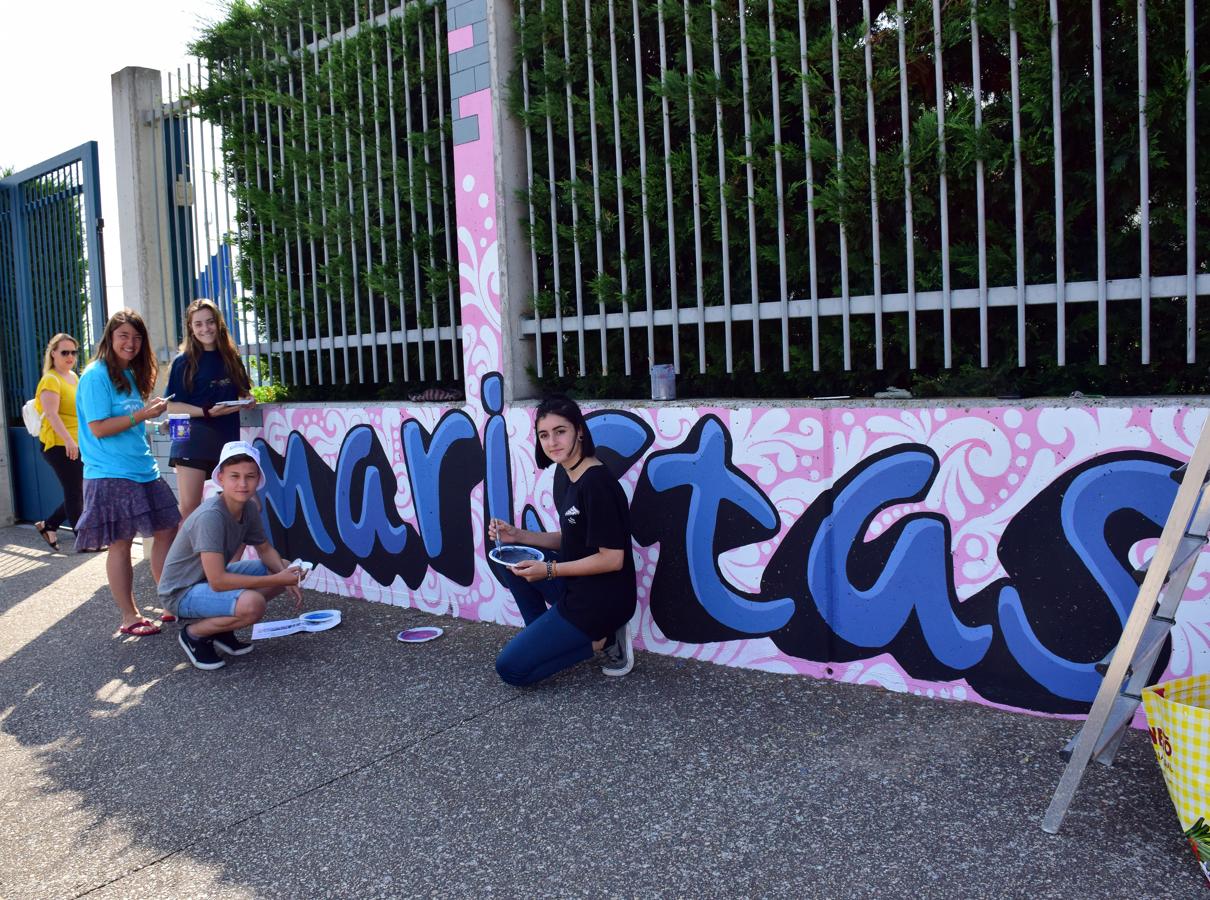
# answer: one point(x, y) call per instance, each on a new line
point(722, 184)
point(51, 267)
point(308, 189)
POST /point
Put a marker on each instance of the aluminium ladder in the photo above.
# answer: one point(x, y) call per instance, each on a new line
point(1146, 629)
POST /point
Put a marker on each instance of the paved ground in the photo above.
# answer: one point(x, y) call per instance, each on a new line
point(346, 764)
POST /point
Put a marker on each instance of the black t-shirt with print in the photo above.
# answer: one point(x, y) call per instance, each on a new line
point(594, 515)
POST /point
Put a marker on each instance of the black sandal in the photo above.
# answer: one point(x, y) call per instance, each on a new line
point(47, 535)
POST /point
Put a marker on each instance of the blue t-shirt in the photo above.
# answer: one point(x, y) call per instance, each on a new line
point(122, 455)
point(211, 384)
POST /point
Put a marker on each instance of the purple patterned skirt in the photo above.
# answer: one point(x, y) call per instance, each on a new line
point(116, 509)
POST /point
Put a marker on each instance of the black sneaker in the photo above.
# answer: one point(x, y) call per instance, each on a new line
point(230, 644)
point(199, 650)
point(619, 653)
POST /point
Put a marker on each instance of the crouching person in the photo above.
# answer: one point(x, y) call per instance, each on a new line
point(201, 582)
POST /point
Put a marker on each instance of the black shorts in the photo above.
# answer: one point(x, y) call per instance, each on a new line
point(204, 465)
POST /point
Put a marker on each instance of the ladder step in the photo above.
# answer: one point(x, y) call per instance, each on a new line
point(1190, 546)
point(1120, 718)
point(1150, 641)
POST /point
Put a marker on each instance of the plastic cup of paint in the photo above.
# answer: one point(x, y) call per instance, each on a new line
point(178, 426)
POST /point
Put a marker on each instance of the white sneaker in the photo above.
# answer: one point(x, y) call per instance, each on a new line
point(619, 653)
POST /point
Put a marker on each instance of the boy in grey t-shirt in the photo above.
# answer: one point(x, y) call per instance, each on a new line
point(200, 581)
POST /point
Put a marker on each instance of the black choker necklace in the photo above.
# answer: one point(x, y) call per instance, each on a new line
point(571, 469)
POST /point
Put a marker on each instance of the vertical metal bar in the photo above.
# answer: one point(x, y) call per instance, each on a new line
point(671, 223)
point(407, 106)
point(239, 234)
point(196, 164)
point(219, 232)
point(724, 231)
point(697, 201)
point(638, 87)
point(344, 318)
point(351, 207)
point(575, 211)
point(186, 226)
point(302, 74)
point(775, 76)
point(596, 179)
point(529, 187)
point(554, 216)
point(1018, 190)
point(1190, 190)
point(980, 200)
point(382, 228)
point(946, 318)
point(872, 139)
point(282, 161)
point(623, 263)
point(281, 333)
point(844, 240)
point(263, 323)
point(365, 203)
point(156, 124)
point(753, 285)
point(909, 229)
point(428, 197)
point(1056, 99)
point(204, 269)
point(177, 167)
point(1098, 105)
point(403, 318)
point(40, 255)
point(1144, 195)
point(44, 306)
point(813, 267)
point(440, 44)
point(288, 59)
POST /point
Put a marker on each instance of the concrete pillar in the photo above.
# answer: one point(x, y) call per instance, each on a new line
point(143, 237)
point(489, 167)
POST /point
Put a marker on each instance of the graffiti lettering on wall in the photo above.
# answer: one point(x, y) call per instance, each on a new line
point(866, 570)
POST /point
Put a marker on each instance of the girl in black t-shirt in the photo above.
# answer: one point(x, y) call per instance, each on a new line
point(581, 596)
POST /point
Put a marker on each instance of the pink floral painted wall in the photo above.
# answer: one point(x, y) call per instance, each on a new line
point(959, 551)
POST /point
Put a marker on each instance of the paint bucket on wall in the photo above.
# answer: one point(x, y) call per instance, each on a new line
point(178, 426)
point(663, 383)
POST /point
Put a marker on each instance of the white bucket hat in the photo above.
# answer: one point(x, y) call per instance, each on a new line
point(238, 448)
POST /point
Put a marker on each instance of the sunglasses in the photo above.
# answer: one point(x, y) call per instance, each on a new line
point(67, 352)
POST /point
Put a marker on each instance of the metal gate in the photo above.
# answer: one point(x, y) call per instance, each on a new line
point(52, 279)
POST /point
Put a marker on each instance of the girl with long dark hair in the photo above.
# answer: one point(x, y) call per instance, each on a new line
point(204, 379)
point(124, 494)
point(580, 597)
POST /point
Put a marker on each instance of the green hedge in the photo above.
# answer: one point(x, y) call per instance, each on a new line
point(842, 188)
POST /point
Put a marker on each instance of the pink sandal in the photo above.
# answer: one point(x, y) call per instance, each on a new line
point(141, 628)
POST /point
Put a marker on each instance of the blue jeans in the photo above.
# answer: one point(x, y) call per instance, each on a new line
point(202, 602)
point(548, 643)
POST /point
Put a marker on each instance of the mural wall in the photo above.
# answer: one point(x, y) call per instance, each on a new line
point(981, 554)
point(972, 553)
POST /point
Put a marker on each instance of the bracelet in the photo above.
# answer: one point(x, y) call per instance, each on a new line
point(206, 407)
point(132, 420)
point(555, 564)
point(550, 572)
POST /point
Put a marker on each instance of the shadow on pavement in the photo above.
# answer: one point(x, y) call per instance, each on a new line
point(347, 764)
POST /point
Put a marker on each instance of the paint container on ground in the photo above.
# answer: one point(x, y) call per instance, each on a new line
point(663, 383)
point(178, 426)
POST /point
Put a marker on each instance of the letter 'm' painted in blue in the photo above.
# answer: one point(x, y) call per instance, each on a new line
point(293, 488)
point(1091, 498)
point(359, 534)
point(914, 576)
point(424, 471)
point(712, 483)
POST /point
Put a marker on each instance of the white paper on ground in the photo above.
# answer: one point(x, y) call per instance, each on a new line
point(319, 620)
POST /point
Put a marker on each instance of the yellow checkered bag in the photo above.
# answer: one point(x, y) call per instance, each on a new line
point(1178, 719)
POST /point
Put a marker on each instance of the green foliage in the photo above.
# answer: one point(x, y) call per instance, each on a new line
point(841, 185)
point(338, 236)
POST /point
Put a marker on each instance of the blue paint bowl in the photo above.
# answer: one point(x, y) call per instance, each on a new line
point(511, 554)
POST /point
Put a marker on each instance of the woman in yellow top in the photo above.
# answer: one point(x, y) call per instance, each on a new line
point(56, 400)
